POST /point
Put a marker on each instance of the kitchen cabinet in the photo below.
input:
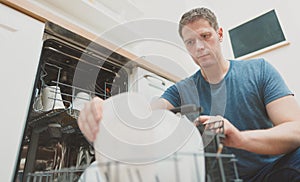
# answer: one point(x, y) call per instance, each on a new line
point(21, 42)
point(149, 84)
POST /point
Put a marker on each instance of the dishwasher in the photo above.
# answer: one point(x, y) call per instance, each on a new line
point(71, 71)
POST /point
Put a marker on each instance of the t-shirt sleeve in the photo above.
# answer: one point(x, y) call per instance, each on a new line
point(172, 95)
point(274, 87)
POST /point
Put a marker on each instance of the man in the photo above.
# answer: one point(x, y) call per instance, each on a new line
point(261, 116)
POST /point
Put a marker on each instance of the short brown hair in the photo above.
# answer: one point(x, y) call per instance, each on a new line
point(196, 14)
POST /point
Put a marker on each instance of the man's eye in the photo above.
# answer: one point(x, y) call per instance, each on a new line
point(190, 42)
point(205, 36)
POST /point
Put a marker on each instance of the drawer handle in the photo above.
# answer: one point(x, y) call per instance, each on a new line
point(5, 27)
point(153, 77)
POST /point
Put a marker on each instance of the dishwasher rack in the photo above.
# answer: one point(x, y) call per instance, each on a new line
point(72, 89)
point(220, 165)
point(67, 97)
point(66, 117)
point(112, 171)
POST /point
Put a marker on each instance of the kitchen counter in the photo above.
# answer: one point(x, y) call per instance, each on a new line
point(37, 12)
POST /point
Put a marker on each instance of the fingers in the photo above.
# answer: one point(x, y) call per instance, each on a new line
point(89, 118)
point(211, 123)
point(201, 119)
point(84, 127)
point(96, 114)
point(219, 125)
point(204, 118)
point(216, 127)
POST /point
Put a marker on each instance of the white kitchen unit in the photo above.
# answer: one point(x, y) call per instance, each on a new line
point(21, 43)
point(148, 84)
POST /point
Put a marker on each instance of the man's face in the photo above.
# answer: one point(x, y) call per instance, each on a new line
point(203, 42)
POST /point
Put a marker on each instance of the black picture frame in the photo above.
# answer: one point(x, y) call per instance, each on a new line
point(257, 34)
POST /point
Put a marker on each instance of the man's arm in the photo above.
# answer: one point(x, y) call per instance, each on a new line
point(283, 137)
point(161, 103)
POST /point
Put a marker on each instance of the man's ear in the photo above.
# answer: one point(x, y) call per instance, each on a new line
point(220, 34)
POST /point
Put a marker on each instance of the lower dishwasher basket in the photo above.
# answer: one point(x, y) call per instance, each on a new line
point(219, 168)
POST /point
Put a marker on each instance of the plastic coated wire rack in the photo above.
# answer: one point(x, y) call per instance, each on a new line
point(215, 171)
point(75, 89)
point(220, 166)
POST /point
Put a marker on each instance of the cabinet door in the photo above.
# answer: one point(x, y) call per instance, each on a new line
point(20, 45)
point(148, 84)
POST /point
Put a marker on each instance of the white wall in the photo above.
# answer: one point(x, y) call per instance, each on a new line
point(234, 12)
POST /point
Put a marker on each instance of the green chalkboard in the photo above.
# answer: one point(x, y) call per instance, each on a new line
point(256, 34)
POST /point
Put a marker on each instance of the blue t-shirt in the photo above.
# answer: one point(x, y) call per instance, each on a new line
point(241, 97)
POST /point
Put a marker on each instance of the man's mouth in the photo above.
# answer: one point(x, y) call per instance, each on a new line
point(201, 56)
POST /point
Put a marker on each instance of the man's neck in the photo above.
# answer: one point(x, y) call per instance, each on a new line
point(215, 74)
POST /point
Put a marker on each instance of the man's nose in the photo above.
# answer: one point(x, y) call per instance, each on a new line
point(199, 44)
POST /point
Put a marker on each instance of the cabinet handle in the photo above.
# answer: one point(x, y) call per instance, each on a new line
point(8, 28)
point(150, 76)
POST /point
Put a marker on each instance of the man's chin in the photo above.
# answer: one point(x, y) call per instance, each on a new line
point(203, 63)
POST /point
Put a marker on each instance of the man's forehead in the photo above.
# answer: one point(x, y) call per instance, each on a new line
point(196, 30)
point(199, 23)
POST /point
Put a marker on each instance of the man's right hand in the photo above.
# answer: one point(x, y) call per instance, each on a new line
point(89, 118)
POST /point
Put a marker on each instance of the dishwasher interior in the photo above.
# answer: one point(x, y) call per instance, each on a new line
point(72, 70)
